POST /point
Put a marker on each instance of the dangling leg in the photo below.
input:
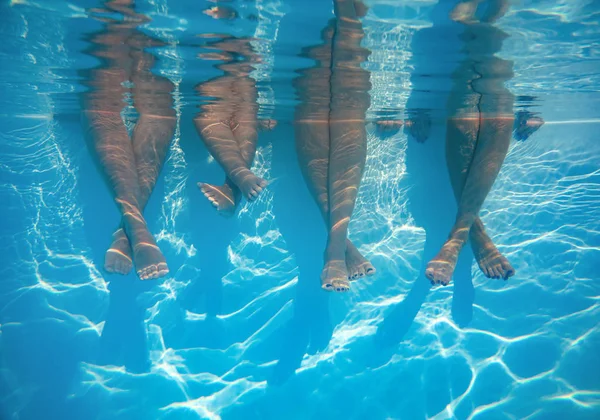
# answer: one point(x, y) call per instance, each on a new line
point(226, 197)
point(350, 99)
point(492, 145)
point(214, 127)
point(115, 152)
point(312, 143)
point(152, 136)
point(221, 143)
point(459, 156)
point(347, 157)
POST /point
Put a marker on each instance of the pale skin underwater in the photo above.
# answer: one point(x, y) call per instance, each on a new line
point(331, 138)
point(130, 165)
point(479, 129)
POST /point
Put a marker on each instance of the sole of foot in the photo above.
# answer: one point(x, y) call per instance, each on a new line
point(221, 197)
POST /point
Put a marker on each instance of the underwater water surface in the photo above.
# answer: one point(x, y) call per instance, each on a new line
point(240, 328)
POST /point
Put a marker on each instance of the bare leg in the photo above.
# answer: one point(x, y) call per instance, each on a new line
point(244, 127)
point(152, 136)
point(222, 144)
point(459, 156)
point(347, 138)
point(151, 139)
point(115, 152)
point(492, 145)
point(312, 142)
point(482, 130)
point(347, 156)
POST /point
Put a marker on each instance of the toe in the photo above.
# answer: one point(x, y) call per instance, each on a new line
point(327, 287)
point(508, 272)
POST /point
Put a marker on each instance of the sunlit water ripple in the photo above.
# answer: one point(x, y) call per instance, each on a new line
point(262, 343)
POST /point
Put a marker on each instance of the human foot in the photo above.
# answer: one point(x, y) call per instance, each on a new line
point(118, 257)
point(334, 276)
point(222, 197)
point(251, 186)
point(356, 264)
point(440, 269)
point(491, 262)
point(150, 263)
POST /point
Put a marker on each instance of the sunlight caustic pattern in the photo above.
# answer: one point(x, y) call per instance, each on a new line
point(217, 348)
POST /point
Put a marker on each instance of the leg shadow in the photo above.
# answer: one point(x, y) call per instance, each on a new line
point(425, 162)
point(302, 227)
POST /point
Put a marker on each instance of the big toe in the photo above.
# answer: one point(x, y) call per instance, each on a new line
point(328, 287)
point(370, 270)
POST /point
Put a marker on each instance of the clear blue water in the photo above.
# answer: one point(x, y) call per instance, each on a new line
point(240, 328)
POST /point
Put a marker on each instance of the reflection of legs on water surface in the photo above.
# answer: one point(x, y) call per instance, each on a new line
point(488, 138)
point(312, 142)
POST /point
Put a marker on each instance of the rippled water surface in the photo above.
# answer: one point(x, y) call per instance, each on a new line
point(240, 328)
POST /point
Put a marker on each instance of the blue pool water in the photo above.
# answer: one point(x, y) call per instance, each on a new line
point(240, 328)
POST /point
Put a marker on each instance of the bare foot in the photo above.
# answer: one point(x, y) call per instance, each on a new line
point(356, 264)
point(251, 186)
point(440, 269)
point(334, 276)
point(222, 197)
point(150, 263)
point(118, 256)
point(491, 262)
